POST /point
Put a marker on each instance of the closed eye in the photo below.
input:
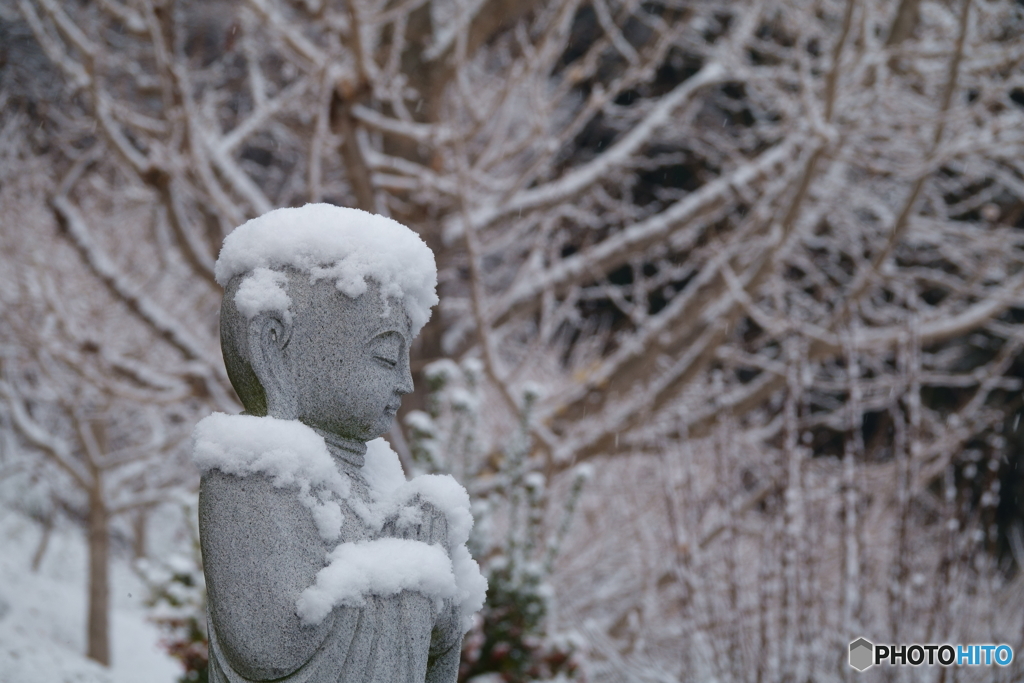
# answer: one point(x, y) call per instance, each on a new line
point(387, 348)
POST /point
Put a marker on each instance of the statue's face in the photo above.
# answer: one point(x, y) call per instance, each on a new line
point(351, 362)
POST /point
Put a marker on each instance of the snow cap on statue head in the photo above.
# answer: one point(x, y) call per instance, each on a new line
point(268, 261)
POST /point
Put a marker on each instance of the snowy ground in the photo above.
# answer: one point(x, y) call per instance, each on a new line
point(42, 616)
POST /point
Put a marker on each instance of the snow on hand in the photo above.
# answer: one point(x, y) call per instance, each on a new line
point(326, 241)
point(392, 493)
point(384, 566)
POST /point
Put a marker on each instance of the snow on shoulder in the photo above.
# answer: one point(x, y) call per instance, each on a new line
point(329, 242)
point(287, 451)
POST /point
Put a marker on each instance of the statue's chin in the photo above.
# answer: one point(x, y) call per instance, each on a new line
point(368, 431)
point(380, 429)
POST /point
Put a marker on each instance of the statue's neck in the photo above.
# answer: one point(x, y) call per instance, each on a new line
point(351, 452)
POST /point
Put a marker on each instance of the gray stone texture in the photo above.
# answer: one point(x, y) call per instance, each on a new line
point(341, 366)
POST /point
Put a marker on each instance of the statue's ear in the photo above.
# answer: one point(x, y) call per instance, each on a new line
point(269, 335)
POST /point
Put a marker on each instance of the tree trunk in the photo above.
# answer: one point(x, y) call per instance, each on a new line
point(98, 626)
point(139, 526)
point(44, 543)
point(904, 23)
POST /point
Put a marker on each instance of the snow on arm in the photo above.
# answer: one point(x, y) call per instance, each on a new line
point(386, 566)
point(287, 451)
point(326, 241)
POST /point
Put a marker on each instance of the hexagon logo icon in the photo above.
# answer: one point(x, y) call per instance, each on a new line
point(861, 654)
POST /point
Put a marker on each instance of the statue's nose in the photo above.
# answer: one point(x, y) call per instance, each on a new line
point(405, 385)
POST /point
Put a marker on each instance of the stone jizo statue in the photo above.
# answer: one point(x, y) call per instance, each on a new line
point(322, 562)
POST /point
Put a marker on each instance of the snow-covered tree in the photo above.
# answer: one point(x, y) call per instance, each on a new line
point(104, 457)
point(93, 430)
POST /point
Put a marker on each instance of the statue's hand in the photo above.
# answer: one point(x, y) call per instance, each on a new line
point(418, 520)
point(445, 645)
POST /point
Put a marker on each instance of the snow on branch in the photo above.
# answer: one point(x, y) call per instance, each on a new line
point(636, 238)
point(41, 438)
point(619, 154)
point(165, 325)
